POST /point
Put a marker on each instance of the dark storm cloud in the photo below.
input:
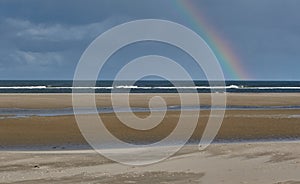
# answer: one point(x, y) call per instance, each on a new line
point(43, 37)
point(265, 34)
point(82, 11)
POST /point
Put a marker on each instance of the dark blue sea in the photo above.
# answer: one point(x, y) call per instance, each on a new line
point(147, 86)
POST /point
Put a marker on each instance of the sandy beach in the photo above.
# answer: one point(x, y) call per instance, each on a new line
point(220, 163)
point(39, 149)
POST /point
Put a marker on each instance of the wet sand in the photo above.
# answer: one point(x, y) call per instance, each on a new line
point(52, 101)
point(56, 137)
point(62, 131)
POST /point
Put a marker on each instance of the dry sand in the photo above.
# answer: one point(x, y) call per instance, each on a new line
point(260, 162)
point(251, 163)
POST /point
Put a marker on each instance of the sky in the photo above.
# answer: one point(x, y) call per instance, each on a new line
point(44, 39)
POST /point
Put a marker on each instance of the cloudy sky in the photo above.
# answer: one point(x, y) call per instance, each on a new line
point(44, 39)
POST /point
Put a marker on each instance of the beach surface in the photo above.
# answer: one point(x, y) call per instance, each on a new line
point(252, 146)
point(252, 163)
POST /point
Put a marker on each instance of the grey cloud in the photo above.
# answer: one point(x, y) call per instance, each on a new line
point(37, 59)
point(40, 45)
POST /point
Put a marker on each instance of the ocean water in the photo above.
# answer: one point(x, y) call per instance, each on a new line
point(7, 113)
point(155, 86)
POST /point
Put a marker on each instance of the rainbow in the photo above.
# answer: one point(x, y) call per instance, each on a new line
point(229, 60)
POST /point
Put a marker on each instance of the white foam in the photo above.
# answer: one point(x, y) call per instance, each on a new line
point(154, 87)
point(23, 87)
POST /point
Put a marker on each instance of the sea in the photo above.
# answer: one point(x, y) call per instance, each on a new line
point(148, 86)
